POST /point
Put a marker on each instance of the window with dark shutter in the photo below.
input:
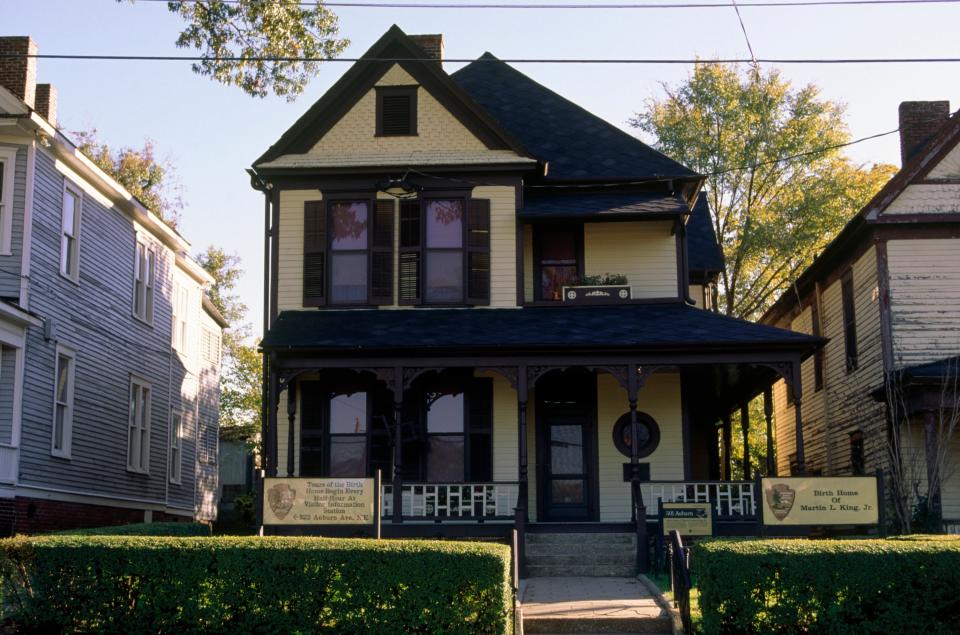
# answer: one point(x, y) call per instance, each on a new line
point(478, 251)
point(480, 420)
point(817, 329)
point(314, 253)
point(849, 321)
point(410, 252)
point(396, 111)
point(381, 254)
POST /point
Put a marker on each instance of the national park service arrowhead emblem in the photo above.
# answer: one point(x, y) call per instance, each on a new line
point(780, 499)
point(281, 497)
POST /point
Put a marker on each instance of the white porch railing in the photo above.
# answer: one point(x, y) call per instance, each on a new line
point(452, 501)
point(8, 463)
point(731, 499)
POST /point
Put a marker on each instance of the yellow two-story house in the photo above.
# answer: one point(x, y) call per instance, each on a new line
point(501, 302)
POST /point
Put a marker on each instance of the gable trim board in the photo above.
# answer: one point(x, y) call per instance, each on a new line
point(363, 76)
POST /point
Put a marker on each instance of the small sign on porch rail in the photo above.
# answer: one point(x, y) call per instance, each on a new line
point(821, 500)
point(688, 519)
point(318, 501)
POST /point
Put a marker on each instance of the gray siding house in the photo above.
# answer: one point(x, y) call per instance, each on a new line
point(109, 347)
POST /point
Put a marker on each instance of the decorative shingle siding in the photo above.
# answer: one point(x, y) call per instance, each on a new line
point(927, 198)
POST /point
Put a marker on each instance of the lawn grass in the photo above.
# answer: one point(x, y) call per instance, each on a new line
point(662, 580)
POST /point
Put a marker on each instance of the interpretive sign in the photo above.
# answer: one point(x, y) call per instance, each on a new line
point(689, 519)
point(318, 501)
point(826, 500)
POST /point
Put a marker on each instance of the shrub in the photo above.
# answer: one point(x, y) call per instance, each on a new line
point(233, 584)
point(142, 529)
point(829, 586)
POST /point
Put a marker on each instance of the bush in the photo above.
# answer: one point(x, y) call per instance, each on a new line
point(142, 529)
point(233, 584)
point(905, 585)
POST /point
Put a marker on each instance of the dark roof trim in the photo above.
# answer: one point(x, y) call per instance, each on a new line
point(380, 169)
point(363, 75)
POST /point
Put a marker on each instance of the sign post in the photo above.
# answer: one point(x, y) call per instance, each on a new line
point(377, 504)
point(820, 501)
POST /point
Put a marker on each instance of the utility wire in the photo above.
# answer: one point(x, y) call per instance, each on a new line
point(636, 61)
point(577, 6)
point(745, 36)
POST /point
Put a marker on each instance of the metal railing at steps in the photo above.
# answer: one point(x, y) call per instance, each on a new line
point(453, 501)
point(732, 500)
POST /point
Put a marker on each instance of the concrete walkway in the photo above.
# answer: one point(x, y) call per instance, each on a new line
point(591, 605)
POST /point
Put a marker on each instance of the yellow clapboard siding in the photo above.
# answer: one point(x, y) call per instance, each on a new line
point(503, 243)
point(505, 440)
point(646, 252)
point(290, 250)
point(528, 263)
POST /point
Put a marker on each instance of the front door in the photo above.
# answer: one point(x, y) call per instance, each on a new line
point(567, 449)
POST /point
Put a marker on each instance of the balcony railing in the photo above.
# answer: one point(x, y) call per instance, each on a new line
point(453, 501)
point(732, 500)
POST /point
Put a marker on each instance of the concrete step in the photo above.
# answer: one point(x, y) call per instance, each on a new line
point(586, 551)
point(535, 538)
point(584, 626)
point(580, 570)
point(581, 559)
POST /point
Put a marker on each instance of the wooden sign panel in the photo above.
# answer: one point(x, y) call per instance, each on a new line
point(824, 500)
point(318, 501)
point(688, 519)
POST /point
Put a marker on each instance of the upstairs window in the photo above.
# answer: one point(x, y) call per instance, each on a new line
point(849, 321)
point(144, 280)
point(817, 332)
point(210, 346)
point(181, 307)
point(348, 252)
point(70, 233)
point(7, 160)
point(444, 251)
point(396, 111)
point(558, 261)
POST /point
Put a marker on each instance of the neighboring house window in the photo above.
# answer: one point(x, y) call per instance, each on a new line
point(396, 111)
point(857, 460)
point(138, 442)
point(181, 308)
point(817, 332)
point(849, 321)
point(64, 373)
point(144, 280)
point(176, 434)
point(70, 233)
point(210, 346)
point(7, 161)
point(444, 251)
point(559, 265)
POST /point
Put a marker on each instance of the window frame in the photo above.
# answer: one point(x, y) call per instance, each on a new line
point(180, 303)
point(71, 273)
point(175, 445)
point(538, 230)
point(63, 452)
point(411, 92)
point(149, 285)
point(142, 466)
point(8, 176)
point(816, 324)
point(424, 199)
point(329, 435)
point(349, 197)
point(848, 301)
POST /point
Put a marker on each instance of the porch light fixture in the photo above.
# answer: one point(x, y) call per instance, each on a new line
point(398, 188)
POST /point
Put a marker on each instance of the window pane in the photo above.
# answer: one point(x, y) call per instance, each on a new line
point(58, 427)
point(567, 491)
point(446, 414)
point(566, 449)
point(444, 276)
point(558, 246)
point(445, 459)
point(348, 456)
point(554, 277)
point(445, 223)
point(348, 278)
point(69, 211)
point(348, 414)
point(349, 225)
point(63, 375)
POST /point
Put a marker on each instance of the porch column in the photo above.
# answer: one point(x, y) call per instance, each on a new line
point(797, 388)
point(931, 441)
point(398, 446)
point(273, 401)
point(768, 415)
point(745, 431)
point(520, 512)
point(727, 471)
point(639, 510)
point(291, 419)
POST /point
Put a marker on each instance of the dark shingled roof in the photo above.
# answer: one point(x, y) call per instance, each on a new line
point(947, 367)
point(649, 326)
point(704, 253)
point(577, 144)
point(603, 204)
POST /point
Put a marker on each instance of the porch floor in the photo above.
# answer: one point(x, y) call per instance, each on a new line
point(590, 605)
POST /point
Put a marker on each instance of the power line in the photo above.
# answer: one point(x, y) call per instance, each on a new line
point(743, 28)
point(636, 61)
point(576, 6)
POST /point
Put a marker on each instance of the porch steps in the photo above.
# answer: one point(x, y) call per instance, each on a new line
point(585, 555)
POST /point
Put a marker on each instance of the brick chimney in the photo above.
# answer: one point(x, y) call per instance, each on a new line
point(431, 44)
point(47, 103)
point(919, 121)
point(19, 74)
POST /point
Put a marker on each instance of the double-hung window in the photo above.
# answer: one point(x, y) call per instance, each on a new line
point(349, 224)
point(849, 321)
point(70, 233)
point(348, 435)
point(181, 304)
point(63, 379)
point(144, 280)
point(444, 251)
point(138, 440)
point(176, 457)
point(7, 160)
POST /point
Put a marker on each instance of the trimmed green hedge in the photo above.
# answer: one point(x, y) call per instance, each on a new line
point(234, 584)
point(905, 585)
point(142, 529)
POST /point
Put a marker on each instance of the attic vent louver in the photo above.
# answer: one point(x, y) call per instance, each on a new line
point(396, 111)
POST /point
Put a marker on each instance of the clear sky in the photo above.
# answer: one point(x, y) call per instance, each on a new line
point(213, 132)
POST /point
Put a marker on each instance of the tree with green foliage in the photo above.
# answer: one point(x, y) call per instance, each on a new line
point(151, 181)
point(259, 46)
point(772, 214)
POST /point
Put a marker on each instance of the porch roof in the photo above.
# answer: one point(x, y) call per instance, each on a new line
point(601, 205)
point(622, 328)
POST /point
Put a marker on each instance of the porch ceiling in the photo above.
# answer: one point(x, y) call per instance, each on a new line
point(623, 329)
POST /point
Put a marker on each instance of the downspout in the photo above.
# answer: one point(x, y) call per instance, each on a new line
point(261, 186)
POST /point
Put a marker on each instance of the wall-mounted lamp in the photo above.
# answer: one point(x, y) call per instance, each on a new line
point(399, 188)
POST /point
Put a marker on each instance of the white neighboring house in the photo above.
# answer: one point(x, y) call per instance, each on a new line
point(109, 347)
